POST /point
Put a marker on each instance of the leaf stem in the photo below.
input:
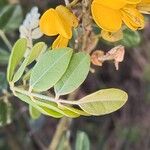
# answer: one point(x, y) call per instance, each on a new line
point(43, 97)
point(5, 39)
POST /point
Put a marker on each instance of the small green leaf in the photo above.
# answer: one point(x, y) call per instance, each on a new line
point(20, 71)
point(75, 110)
point(34, 113)
point(16, 56)
point(55, 107)
point(82, 141)
point(33, 103)
point(50, 68)
point(4, 57)
point(75, 75)
point(36, 51)
point(130, 38)
point(103, 102)
point(10, 17)
point(5, 113)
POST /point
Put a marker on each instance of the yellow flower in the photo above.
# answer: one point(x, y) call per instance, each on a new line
point(144, 6)
point(110, 14)
point(59, 21)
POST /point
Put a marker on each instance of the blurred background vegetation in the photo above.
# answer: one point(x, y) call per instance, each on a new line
point(126, 129)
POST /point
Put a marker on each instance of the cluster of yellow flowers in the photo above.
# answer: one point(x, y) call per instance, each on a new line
point(109, 15)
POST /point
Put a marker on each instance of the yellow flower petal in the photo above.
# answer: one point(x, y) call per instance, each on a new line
point(48, 22)
point(112, 36)
point(60, 42)
point(132, 18)
point(144, 6)
point(62, 26)
point(114, 4)
point(107, 18)
point(133, 1)
point(68, 16)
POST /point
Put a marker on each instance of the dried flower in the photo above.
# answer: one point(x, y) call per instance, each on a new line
point(116, 54)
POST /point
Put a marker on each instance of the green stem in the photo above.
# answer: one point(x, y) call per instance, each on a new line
point(40, 96)
point(5, 39)
point(63, 126)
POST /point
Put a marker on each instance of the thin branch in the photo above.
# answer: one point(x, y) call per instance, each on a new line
point(63, 126)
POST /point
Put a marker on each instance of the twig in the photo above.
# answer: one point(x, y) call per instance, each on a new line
point(40, 96)
point(86, 23)
point(63, 126)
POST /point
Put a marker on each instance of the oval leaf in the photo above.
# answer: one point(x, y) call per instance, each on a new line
point(103, 102)
point(36, 51)
point(130, 38)
point(50, 68)
point(16, 56)
point(82, 141)
point(75, 75)
point(75, 110)
point(20, 71)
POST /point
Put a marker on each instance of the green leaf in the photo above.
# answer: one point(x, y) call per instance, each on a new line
point(103, 102)
point(3, 82)
point(4, 57)
point(20, 71)
point(34, 113)
point(75, 110)
point(50, 68)
point(82, 141)
point(130, 38)
point(46, 107)
point(43, 110)
point(55, 107)
point(10, 17)
point(36, 51)
point(5, 113)
point(75, 75)
point(16, 56)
